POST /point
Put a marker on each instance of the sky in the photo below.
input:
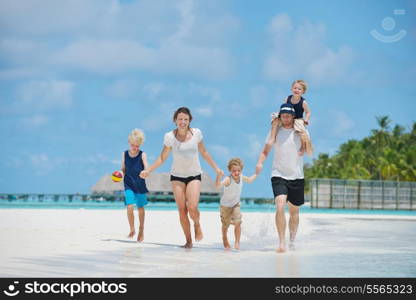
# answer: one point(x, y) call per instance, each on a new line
point(77, 76)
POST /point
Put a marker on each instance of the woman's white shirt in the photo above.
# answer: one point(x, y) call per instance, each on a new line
point(185, 154)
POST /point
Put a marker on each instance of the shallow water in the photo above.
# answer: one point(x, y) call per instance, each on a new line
point(203, 206)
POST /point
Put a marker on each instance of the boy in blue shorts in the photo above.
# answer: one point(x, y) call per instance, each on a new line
point(133, 161)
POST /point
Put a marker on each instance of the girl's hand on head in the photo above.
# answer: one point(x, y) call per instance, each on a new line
point(275, 122)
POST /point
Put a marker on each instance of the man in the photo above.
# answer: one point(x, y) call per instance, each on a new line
point(287, 173)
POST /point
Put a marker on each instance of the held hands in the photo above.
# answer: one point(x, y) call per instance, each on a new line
point(259, 168)
point(144, 174)
point(219, 172)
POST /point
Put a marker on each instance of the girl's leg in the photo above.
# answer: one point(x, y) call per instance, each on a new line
point(130, 218)
point(300, 128)
point(178, 189)
point(140, 237)
point(193, 190)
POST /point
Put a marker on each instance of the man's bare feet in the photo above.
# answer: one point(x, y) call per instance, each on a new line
point(292, 245)
point(140, 237)
point(131, 234)
point(188, 245)
point(198, 232)
point(237, 245)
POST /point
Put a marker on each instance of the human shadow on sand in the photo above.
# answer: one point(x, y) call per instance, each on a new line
point(215, 246)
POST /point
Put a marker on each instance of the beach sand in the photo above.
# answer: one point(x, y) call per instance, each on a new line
point(94, 243)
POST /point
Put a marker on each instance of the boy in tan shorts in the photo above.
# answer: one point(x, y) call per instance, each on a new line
point(230, 200)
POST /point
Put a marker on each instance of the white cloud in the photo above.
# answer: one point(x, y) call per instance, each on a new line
point(210, 94)
point(35, 121)
point(110, 37)
point(46, 17)
point(106, 56)
point(42, 164)
point(130, 88)
point(46, 95)
point(153, 89)
point(220, 151)
point(281, 24)
point(154, 123)
point(22, 51)
point(255, 145)
point(341, 123)
point(122, 89)
point(19, 73)
point(300, 52)
point(258, 95)
point(204, 111)
point(336, 124)
point(185, 9)
point(96, 158)
point(235, 110)
point(178, 57)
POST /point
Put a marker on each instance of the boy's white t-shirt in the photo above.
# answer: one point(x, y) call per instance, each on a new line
point(232, 193)
point(185, 154)
point(287, 163)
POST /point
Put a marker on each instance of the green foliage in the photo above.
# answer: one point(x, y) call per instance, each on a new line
point(387, 154)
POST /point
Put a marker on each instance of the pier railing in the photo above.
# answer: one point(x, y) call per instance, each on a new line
point(362, 194)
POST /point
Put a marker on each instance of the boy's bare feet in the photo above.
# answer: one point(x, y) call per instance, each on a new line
point(281, 249)
point(198, 232)
point(131, 234)
point(226, 244)
point(237, 245)
point(140, 237)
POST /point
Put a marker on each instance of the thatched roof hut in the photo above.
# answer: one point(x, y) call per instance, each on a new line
point(157, 182)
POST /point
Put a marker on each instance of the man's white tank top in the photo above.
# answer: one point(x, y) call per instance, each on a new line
point(232, 193)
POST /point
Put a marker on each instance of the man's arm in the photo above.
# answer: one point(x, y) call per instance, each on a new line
point(262, 158)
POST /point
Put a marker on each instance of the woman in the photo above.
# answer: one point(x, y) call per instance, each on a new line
point(185, 143)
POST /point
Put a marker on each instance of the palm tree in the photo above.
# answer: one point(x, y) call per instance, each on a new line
point(387, 154)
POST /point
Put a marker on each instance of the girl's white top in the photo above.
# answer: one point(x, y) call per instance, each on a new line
point(232, 193)
point(185, 154)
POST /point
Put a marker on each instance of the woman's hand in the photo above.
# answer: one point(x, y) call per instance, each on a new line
point(219, 172)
